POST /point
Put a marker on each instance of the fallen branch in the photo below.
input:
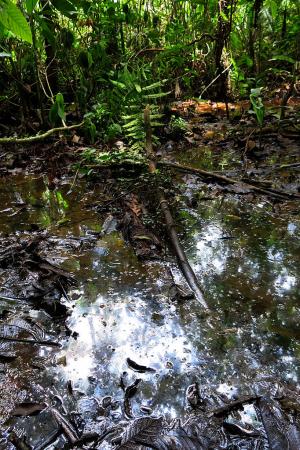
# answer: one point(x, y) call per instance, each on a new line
point(183, 263)
point(236, 404)
point(30, 341)
point(66, 427)
point(222, 178)
point(38, 137)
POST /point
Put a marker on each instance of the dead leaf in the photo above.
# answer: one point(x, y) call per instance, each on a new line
point(250, 145)
point(209, 134)
point(142, 430)
point(75, 139)
point(134, 205)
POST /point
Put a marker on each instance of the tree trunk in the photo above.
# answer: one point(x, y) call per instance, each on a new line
point(253, 31)
point(225, 16)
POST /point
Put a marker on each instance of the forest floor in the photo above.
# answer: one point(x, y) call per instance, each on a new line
point(98, 347)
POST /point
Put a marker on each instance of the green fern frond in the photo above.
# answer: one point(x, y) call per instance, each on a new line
point(158, 84)
point(131, 123)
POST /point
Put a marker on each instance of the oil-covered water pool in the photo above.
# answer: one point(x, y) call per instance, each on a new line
point(246, 255)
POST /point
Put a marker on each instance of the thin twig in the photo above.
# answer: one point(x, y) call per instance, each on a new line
point(215, 79)
point(38, 137)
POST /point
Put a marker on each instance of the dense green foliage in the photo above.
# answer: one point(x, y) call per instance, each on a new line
point(62, 60)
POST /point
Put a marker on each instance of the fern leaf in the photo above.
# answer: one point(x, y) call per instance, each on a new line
point(132, 116)
point(157, 124)
point(154, 85)
point(131, 123)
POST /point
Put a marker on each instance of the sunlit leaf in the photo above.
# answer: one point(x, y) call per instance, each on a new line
point(13, 20)
point(118, 84)
point(60, 106)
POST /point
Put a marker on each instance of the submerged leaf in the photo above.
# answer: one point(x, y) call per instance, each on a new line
point(143, 430)
point(132, 364)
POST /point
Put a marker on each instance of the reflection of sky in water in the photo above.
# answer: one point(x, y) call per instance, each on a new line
point(211, 253)
point(284, 282)
point(292, 227)
point(112, 330)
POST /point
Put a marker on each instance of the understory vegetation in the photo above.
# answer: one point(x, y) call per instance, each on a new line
point(102, 62)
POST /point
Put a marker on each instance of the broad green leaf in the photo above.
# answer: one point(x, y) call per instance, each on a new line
point(104, 157)
point(59, 98)
point(13, 20)
point(60, 106)
point(66, 7)
point(53, 114)
point(30, 5)
point(257, 105)
point(57, 110)
point(5, 55)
